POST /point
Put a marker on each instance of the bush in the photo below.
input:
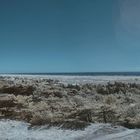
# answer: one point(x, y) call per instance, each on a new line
point(18, 90)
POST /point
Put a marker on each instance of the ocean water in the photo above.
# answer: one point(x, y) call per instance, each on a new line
point(84, 73)
point(16, 130)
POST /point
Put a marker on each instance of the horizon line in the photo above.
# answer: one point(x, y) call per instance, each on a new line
point(76, 73)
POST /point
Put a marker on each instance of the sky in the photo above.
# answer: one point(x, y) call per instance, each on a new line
point(69, 35)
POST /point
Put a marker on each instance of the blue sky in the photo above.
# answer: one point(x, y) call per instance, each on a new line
point(69, 35)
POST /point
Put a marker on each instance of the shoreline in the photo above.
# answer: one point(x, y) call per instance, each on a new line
point(39, 101)
point(76, 79)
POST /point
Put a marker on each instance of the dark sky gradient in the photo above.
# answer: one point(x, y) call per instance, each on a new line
point(69, 35)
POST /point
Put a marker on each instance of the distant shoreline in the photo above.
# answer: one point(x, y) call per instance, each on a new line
point(76, 79)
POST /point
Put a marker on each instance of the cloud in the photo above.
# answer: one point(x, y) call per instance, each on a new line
point(129, 14)
point(128, 22)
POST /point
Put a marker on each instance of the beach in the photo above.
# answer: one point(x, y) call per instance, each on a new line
point(69, 107)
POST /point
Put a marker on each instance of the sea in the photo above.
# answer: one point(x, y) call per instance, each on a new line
point(17, 130)
point(83, 77)
point(81, 73)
